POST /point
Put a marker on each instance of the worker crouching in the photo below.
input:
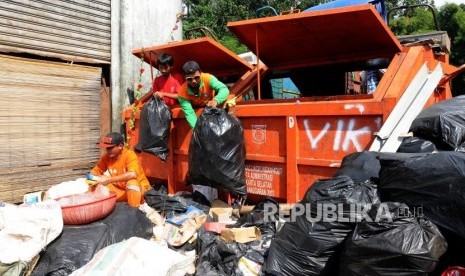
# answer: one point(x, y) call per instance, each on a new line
point(126, 176)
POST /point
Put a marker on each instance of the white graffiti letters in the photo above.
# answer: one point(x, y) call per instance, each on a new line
point(345, 134)
point(314, 141)
point(352, 136)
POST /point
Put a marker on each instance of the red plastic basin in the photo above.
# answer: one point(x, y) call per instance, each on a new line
point(86, 208)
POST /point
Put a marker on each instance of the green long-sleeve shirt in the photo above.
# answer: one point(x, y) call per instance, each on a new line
point(210, 88)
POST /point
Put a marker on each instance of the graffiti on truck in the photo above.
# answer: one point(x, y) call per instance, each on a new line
point(346, 134)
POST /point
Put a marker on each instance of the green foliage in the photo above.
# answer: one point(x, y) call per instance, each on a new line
point(215, 14)
point(452, 20)
point(231, 42)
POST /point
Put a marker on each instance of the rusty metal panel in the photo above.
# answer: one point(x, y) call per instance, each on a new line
point(77, 30)
point(344, 35)
point(49, 124)
point(205, 51)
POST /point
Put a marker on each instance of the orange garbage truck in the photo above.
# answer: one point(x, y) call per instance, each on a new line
point(292, 142)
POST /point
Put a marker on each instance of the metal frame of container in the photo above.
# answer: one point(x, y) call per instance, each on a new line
point(293, 142)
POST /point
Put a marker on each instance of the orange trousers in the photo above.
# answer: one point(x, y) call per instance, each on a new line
point(133, 193)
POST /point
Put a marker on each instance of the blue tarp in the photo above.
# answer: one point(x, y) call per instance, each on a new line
point(379, 5)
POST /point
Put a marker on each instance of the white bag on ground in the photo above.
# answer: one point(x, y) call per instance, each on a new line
point(26, 229)
point(137, 256)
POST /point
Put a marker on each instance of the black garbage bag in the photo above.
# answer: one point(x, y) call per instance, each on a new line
point(171, 205)
point(260, 218)
point(164, 203)
point(139, 226)
point(401, 244)
point(442, 123)
point(342, 189)
point(217, 256)
point(309, 243)
point(205, 268)
point(74, 248)
point(454, 256)
point(305, 248)
point(433, 182)
point(415, 144)
point(217, 152)
point(76, 245)
point(360, 166)
point(365, 166)
point(154, 128)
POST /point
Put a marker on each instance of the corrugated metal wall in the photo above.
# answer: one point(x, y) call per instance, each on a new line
point(74, 30)
point(49, 111)
point(49, 124)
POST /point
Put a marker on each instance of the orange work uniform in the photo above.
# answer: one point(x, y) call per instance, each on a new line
point(132, 190)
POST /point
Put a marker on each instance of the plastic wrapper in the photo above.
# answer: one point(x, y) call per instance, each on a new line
point(454, 271)
point(217, 152)
point(154, 128)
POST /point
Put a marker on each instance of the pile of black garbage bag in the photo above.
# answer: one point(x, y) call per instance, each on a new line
point(309, 244)
point(416, 223)
point(379, 237)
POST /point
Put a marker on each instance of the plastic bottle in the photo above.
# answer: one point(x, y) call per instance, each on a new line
point(90, 176)
point(372, 81)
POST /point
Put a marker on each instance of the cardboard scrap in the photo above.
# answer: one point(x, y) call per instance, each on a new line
point(248, 267)
point(177, 236)
point(220, 211)
point(242, 235)
point(221, 214)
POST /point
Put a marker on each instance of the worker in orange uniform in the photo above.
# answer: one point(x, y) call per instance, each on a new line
point(167, 84)
point(127, 177)
point(199, 90)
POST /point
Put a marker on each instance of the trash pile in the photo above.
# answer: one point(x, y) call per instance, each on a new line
point(380, 214)
point(385, 213)
point(224, 243)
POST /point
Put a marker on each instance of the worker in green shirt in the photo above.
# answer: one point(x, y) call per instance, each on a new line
point(199, 90)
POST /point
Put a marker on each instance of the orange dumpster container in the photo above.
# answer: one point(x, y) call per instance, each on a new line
point(290, 143)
